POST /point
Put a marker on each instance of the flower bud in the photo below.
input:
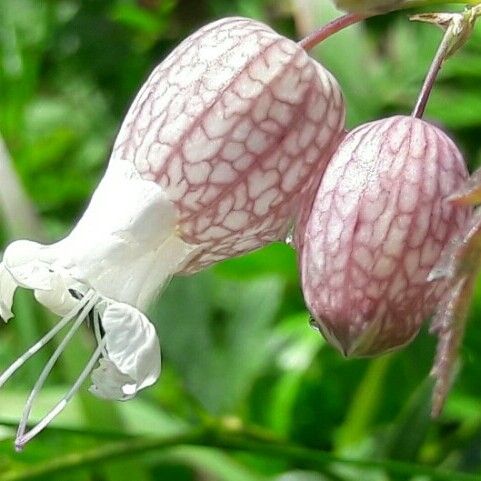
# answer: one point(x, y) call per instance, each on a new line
point(377, 226)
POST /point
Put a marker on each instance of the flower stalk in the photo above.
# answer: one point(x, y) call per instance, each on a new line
point(336, 25)
point(432, 75)
point(344, 21)
point(458, 28)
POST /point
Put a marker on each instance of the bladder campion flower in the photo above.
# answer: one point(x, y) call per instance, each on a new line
point(212, 160)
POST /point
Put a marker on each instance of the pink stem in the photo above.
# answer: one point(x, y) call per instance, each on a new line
point(441, 54)
point(329, 29)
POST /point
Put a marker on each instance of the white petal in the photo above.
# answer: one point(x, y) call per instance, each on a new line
point(22, 260)
point(133, 349)
point(7, 290)
point(109, 382)
point(58, 299)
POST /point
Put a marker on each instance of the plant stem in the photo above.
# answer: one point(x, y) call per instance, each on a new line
point(458, 30)
point(433, 72)
point(340, 23)
point(329, 29)
point(90, 431)
point(235, 440)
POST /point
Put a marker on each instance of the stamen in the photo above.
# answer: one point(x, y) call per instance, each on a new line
point(23, 439)
point(98, 333)
point(87, 307)
point(44, 340)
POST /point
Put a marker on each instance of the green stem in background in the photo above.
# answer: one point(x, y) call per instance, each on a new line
point(227, 439)
point(20, 219)
point(364, 406)
point(90, 431)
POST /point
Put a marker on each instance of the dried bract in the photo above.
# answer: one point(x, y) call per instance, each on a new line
point(459, 268)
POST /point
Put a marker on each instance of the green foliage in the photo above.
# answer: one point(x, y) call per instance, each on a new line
point(241, 367)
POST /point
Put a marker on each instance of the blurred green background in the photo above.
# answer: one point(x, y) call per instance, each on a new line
point(240, 362)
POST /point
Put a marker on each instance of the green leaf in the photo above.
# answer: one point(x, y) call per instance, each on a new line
point(215, 464)
point(364, 407)
point(410, 429)
point(298, 346)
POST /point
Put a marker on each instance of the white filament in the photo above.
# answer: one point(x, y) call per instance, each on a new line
point(87, 306)
point(23, 439)
point(98, 334)
point(43, 341)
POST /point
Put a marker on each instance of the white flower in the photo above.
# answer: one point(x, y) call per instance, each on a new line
point(115, 261)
